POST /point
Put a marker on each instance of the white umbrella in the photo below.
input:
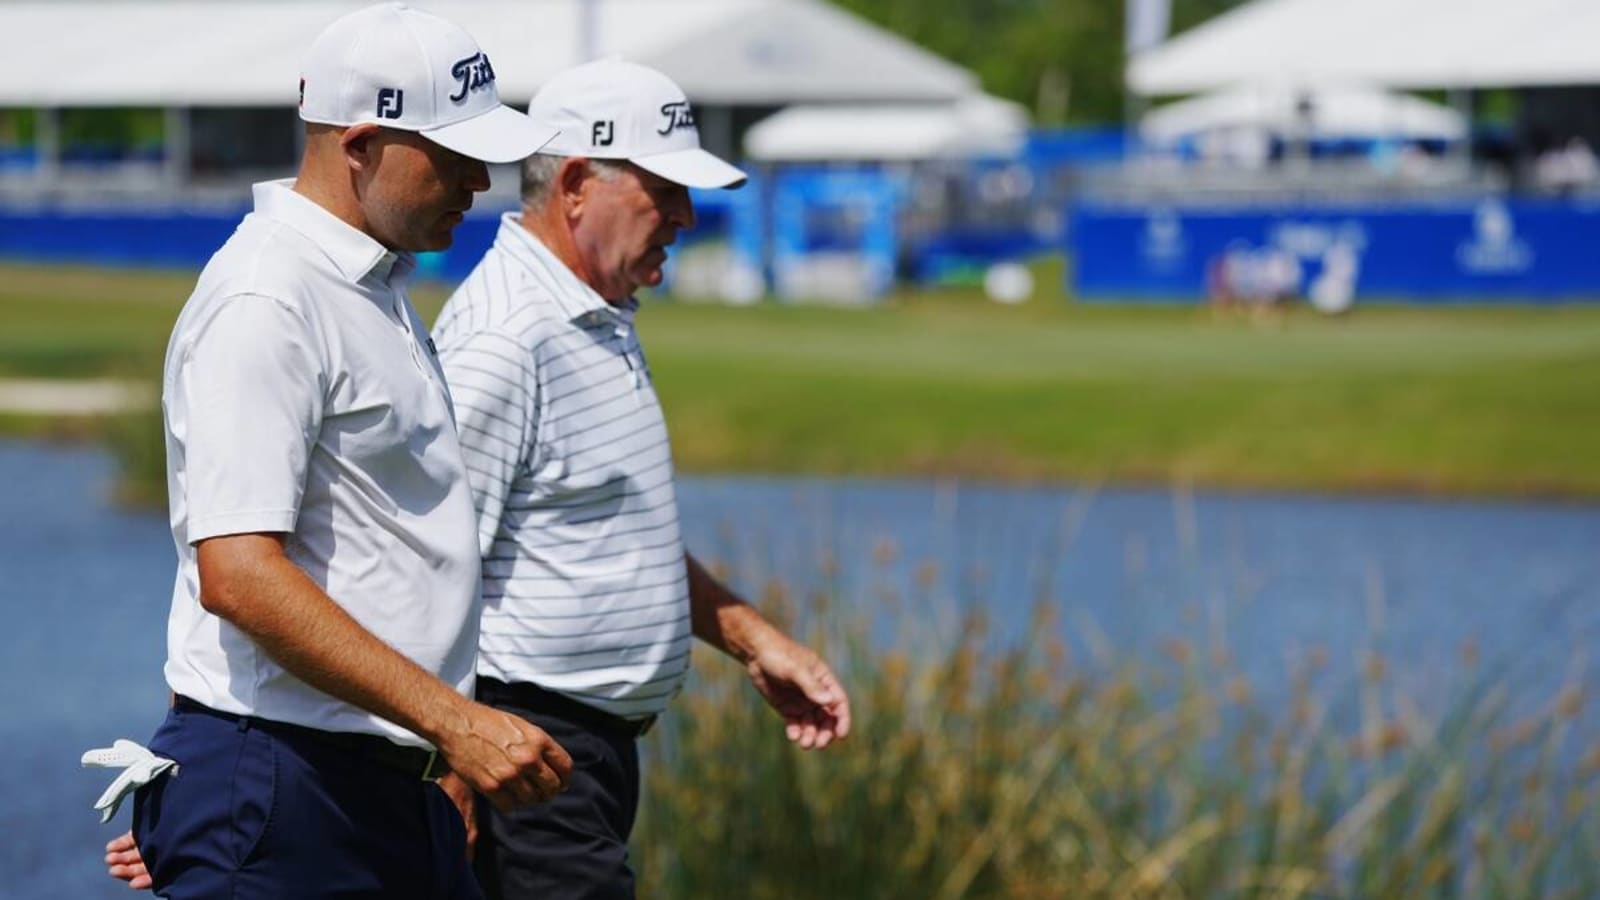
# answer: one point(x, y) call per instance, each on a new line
point(974, 126)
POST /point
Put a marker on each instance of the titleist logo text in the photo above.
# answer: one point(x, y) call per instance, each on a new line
point(470, 74)
point(674, 116)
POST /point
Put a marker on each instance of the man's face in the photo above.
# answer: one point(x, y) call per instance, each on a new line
point(419, 191)
point(629, 219)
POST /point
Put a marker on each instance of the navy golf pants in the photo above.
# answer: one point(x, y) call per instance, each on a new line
point(255, 812)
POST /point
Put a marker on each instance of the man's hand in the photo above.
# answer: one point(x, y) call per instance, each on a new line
point(801, 687)
point(460, 793)
point(124, 863)
point(504, 757)
point(793, 679)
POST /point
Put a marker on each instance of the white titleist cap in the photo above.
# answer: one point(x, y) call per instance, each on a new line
point(403, 68)
point(612, 109)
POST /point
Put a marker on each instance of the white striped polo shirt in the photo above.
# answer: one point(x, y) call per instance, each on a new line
point(585, 587)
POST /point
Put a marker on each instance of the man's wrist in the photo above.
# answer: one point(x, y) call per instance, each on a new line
point(441, 717)
point(745, 631)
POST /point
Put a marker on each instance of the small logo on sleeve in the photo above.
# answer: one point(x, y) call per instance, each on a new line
point(391, 103)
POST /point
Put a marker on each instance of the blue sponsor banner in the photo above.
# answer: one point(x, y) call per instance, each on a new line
point(181, 240)
point(1490, 248)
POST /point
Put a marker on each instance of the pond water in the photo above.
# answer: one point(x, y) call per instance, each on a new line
point(1271, 578)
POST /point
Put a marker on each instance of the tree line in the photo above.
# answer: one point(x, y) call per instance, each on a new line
point(1063, 59)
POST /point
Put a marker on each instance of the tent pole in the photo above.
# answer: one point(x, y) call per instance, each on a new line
point(175, 153)
point(47, 146)
point(1134, 106)
point(716, 129)
point(1461, 151)
point(589, 29)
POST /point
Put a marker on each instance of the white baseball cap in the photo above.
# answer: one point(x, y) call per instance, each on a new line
point(614, 109)
point(403, 68)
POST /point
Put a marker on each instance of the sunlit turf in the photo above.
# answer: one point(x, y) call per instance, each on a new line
point(1459, 399)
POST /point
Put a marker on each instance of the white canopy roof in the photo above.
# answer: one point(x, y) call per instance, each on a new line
point(1324, 111)
point(1411, 44)
point(974, 126)
point(247, 52)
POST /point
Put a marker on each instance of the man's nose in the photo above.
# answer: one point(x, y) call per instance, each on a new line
point(477, 175)
point(681, 213)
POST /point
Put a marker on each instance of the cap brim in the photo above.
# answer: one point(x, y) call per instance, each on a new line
point(501, 135)
point(692, 168)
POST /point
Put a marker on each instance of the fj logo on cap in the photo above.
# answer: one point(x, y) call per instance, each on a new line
point(470, 74)
point(391, 103)
point(602, 133)
point(675, 115)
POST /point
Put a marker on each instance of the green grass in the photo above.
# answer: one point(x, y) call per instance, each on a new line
point(1460, 400)
point(79, 323)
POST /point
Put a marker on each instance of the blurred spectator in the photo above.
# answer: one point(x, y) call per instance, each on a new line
point(1252, 277)
point(1567, 168)
point(1334, 289)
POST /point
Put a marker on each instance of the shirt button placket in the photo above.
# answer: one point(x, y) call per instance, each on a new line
point(404, 322)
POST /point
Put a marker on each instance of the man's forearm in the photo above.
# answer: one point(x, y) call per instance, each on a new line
point(720, 618)
point(792, 678)
point(272, 600)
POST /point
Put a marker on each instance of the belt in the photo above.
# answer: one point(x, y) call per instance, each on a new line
point(416, 762)
point(537, 699)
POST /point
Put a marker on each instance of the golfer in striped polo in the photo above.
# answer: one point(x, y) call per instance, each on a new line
point(590, 598)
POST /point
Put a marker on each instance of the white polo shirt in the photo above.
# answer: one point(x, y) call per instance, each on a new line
point(585, 589)
point(302, 396)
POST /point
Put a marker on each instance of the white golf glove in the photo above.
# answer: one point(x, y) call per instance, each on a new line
point(139, 767)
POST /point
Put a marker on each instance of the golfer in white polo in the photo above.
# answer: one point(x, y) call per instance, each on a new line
point(324, 618)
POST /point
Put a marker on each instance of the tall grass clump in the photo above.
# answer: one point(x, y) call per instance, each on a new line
point(982, 771)
point(137, 439)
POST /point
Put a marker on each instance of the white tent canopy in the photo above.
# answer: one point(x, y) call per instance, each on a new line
point(974, 126)
point(1408, 44)
point(247, 52)
point(1321, 111)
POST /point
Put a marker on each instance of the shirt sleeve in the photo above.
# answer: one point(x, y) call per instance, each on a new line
point(493, 383)
point(249, 397)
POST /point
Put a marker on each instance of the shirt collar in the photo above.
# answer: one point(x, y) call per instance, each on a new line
point(354, 254)
point(577, 300)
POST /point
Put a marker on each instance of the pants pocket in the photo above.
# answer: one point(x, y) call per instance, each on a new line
point(150, 821)
point(254, 795)
point(200, 824)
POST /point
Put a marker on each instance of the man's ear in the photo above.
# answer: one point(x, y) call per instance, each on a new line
point(360, 146)
point(570, 180)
